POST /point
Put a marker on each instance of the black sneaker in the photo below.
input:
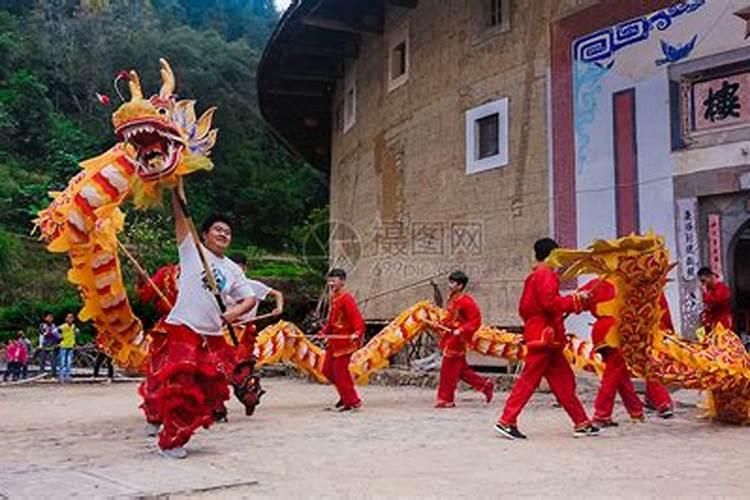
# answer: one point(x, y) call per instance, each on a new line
point(606, 423)
point(508, 431)
point(339, 404)
point(666, 413)
point(346, 408)
point(588, 431)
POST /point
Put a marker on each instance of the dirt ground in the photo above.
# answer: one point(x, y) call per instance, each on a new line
point(87, 441)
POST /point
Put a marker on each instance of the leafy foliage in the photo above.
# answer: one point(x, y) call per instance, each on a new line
point(56, 54)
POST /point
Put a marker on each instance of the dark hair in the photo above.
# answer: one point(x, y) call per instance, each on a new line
point(239, 258)
point(47, 313)
point(705, 272)
point(544, 247)
point(459, 277)
point(213, 219)
point(337, 273)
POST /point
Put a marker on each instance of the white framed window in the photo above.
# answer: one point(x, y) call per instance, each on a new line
point(350, 96)
point(398, 57)
point(487, 136)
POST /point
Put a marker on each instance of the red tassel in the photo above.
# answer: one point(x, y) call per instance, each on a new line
point(103, 99)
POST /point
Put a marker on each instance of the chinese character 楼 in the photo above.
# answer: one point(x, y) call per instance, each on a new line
point(723, 103)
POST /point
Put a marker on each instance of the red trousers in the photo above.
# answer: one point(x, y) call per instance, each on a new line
point(336, 369)
point(658, 395)
point(616, 379)
point(550, 363)
point(187, 379)
point(453, 369)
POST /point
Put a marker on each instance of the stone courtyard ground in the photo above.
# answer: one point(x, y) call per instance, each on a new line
point(87, 441)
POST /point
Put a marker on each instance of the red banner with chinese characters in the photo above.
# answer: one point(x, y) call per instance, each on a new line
point(714, 241)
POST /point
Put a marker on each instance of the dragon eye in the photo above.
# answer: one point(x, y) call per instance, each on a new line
point(162, 111)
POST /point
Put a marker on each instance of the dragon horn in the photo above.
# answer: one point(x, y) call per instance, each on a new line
point(134, 83)
point(167, 78)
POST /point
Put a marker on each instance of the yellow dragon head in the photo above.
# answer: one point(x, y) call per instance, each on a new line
point(162, 137)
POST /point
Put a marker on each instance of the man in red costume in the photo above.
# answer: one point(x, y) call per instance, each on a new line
point(345, 330)
point(462, 320)
point(543, 310)
point(190, 364)
point(616, 377)
point(717, 306)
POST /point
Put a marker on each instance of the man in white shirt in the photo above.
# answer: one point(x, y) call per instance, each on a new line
point(190, 362)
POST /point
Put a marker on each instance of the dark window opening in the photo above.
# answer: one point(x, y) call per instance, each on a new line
point(398, 60)
point(488, 133)
point(495, 12)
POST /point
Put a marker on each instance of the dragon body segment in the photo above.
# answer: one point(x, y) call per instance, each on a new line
point(637, 267)
point(160, 139)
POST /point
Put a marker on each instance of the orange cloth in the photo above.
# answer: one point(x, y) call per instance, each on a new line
point(717, 307)
point(542, 308)
point(344, 319)
point(462, 314)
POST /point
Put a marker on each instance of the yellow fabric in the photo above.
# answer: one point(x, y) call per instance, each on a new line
point(69, 333)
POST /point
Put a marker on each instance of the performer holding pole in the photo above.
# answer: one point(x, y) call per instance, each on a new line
point(462, 320)
point(345, 330)
point(542, 309)
point(246, 384)
point(190, 362)
point(717, 307)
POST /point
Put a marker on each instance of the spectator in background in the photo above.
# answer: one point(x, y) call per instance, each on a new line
point(29, 350)
point(11, 354)
point(49, 339)
point(69, 331)
point(22, 355)
point(103, 359)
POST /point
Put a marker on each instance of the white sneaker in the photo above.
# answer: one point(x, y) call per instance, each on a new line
point(178, 453)
point(151, 429)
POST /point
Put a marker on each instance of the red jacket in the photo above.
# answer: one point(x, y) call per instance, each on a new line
point(165, 278)
point(462, 314)
point(717, 307)
point(601, 291)
point(344, 319)
point(11, 352)
point(542, 308)
point(666, 318)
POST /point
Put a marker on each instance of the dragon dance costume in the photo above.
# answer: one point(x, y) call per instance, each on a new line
point(463, 315)
point(190, 363)
point(542, 309)
point(344, 320)
point(616, 376)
